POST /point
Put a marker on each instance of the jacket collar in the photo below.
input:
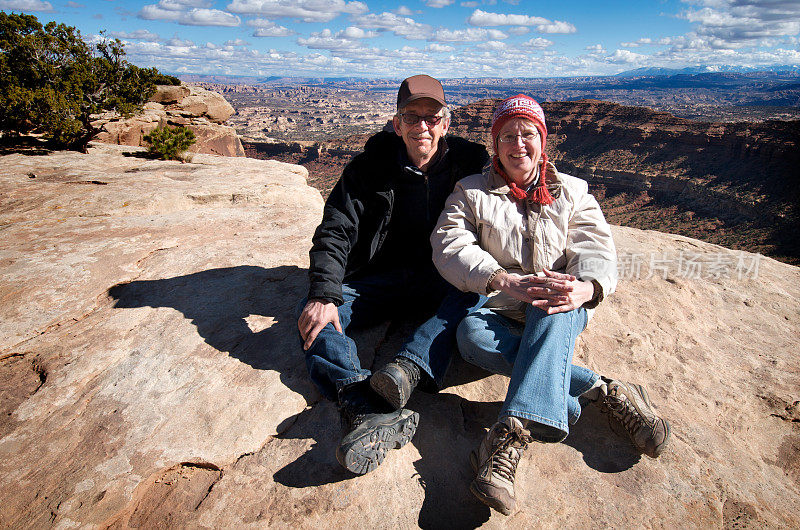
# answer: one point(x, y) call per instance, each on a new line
point(498, 186)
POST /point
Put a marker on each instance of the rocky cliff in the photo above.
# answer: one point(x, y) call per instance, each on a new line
point(150, 374)
point(201, 110)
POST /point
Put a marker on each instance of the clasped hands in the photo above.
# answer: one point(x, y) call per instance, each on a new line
point(552, 293)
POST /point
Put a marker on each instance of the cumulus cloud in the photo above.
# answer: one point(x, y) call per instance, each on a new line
point(267, 28)
point(543, 25)
point(188, 13)
point(519, 30)
point(26, 5)
point(492, 45)
point(327, 40)
point(236, 42)
point(739, 23)
point(139, 34)
point(595, 48)
point(305, 10)
point(470, 4)
point(402, 26)
point(436, 47)
point(403, 11)
point(537, 43)
point(483, 18)
point(438, 3)
point(556, 26)
point(467, 35)
point(624, 57)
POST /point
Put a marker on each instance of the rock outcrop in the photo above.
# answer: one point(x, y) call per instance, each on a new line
point(201, 110)
point(150, 374)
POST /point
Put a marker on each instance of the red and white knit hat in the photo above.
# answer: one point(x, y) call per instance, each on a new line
point(522, 106)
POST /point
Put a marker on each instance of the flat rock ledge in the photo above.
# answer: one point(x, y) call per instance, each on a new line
point(151, 376)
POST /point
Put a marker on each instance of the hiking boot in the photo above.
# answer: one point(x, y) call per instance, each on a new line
point(370, 429)
point(495, 463)
point(630, 406)
point(395, 381)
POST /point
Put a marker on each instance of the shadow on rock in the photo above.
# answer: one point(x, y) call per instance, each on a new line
point(318, 465)
point(450, 427)
point(245, 311)
point(603, 449)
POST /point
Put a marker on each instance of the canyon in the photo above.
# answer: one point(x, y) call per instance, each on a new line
point(730, 183)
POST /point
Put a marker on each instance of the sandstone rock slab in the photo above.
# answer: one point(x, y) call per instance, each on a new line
point(151, 373)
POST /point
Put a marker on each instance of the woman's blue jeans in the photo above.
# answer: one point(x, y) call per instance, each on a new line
point(537, 355)
point(332, 360)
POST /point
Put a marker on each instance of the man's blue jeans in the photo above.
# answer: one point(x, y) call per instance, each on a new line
point(332, 359)
point(537, 355)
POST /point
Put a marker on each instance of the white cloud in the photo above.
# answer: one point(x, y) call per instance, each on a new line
point(438, 3)
point(236, 42)
point(470, 4)
point(26, 5)
point(467, 35)
point(640, 42)
point(267, 28)
point(326, 40)
point(556, 26)
point(543, 25)
point(209, 17)
point(401, 26)
point(188, 13)
point(624, 57)
point(595, 48)
point(179, 43)
point(482, 18)
point(538, 43)
point(492, 45)
point(139, 34)
point(436, 47)
point(403, 11)
point(305, 10)
point(735, 24)
point(519, 30)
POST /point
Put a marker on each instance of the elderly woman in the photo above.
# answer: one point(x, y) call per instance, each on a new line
point(536, 242)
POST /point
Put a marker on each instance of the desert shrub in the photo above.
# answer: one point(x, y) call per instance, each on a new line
point(52, 81)
point(169, 143)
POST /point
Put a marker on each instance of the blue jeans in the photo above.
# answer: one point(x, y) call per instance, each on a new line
point(332, 359)
point(537, 355)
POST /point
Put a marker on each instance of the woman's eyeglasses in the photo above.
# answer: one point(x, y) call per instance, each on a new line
point(527, 137)
point(413, 119)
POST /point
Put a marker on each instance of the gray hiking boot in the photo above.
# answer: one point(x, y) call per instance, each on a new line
point(371, 430)
point(395, 381)
point(495, 463)
point(630, 406)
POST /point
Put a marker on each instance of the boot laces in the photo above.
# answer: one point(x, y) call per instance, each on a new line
point(623, 410)
point(507, 452)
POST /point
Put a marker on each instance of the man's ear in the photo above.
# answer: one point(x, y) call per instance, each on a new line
point(396, 125)
point(445, 126)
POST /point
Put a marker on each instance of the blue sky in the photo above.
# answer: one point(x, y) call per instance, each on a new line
point(445, 38)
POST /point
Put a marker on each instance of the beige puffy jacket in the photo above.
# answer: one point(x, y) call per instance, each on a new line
point(482, 229)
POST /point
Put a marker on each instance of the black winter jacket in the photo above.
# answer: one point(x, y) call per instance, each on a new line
point(357, 213)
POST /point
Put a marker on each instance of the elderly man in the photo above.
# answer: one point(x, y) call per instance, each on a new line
point(371, 260)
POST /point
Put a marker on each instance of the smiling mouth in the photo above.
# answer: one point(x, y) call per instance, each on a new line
point(523, 155)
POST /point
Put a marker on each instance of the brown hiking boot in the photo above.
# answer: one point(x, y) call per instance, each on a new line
point(396, 381)
point(495, 463)
point(630, 406)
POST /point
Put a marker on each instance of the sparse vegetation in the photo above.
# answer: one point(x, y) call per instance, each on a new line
point(170, 143)
point(52, 82)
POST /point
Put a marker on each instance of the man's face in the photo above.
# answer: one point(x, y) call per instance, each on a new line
point(421, 138)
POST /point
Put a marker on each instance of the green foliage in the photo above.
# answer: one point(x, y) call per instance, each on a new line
point(52, 81)
point(169, 143)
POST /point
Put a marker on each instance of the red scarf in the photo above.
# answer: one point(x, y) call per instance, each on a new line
point(539, 194)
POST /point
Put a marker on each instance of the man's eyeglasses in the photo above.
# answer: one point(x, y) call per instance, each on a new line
point(413, 119)
point(527, 137)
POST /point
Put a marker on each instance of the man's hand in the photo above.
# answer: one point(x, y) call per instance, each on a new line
point(552, 293)
point(315, 316)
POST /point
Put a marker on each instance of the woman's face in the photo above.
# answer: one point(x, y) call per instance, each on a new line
point(519, 146)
